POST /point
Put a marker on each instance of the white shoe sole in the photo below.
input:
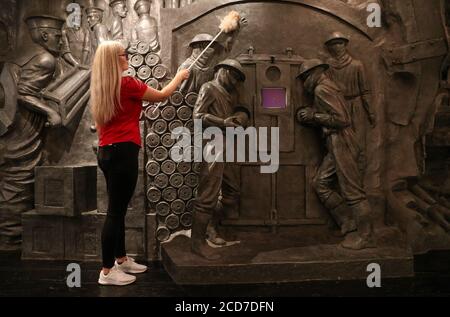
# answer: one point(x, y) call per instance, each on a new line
point(133, 271)
point(116, 283)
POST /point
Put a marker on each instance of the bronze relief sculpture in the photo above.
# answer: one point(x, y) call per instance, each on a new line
point(25, 119)
point(97, 29)
point(120, 12)
point(372, 116)
point(350, 208)
point(217, 106)
point(146, 29)
point(203, 70)
point(76, 47)
point(349, 74)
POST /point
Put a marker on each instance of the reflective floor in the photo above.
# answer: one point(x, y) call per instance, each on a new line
point(48, 278)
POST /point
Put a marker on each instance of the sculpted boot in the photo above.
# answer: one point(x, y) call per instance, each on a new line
point(213, 236)
point(343, 216)
point(198, 237)
point(364, 239)
point(341, 213)
point(211, 231)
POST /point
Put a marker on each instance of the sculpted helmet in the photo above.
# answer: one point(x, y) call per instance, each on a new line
point(336, 36)
point(309, 65)
point(232, 64)
point(202, 38)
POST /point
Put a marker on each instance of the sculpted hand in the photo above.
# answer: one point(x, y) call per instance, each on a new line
point(54, 120)
point(243, 22)
point(230, 122)
point(241, 119)
point(305, 115)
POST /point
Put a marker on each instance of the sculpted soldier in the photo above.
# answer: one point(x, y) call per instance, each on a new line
point(146, 28)
point(217, 106)
point(119, 11)
point(348, 73)
point(23, 117)
point(98, 31)
point(330, 112)
point(202, 71)
point(75, 47)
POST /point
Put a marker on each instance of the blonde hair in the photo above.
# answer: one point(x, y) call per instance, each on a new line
point(106, 80)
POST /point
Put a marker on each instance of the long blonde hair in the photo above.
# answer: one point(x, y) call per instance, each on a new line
point(106, 80)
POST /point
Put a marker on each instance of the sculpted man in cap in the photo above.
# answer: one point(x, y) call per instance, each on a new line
point(98, 31)
point(23, 115)
point(146, 28)
point(349, 74)
point(217, 106)
point(119, 11)
point(330, 111)
point(76, 47)
point(202, 71)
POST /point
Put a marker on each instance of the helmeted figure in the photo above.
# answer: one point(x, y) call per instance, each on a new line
point(146, 28)
point(76, 48)
point(98, 31)
point(203, 70)
point(217, 106)
point(23, 116)
point(349, 74)
point(119, 11)
point(331, 113)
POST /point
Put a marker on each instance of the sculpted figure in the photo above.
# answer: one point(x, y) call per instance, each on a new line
point(217, 106)
point(75, 48)
point(202, 71)
point(120, 12)
point(330, 112)
point(23, 116)
point(349, 74)
point(98, 31)
point(146, 28)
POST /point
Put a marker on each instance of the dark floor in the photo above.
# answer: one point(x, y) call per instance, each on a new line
point(48, 278)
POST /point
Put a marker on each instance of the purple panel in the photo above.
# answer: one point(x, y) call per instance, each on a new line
point(273, 98)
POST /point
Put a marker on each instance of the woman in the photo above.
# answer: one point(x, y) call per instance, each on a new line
point(116, 104)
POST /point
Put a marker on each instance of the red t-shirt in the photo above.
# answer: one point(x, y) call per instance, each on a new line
point(124, 127)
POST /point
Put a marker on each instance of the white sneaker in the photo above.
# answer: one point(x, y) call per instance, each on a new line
point(116, 277)
point(130, 266)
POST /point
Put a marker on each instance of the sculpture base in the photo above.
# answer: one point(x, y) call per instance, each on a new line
point(255, 260)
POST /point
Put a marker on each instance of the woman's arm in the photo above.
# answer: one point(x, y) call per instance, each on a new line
point(153, 95)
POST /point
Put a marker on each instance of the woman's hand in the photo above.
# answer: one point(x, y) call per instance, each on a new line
point(183, 74)
point(154, 95)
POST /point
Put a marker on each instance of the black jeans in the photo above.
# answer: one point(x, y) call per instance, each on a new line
point(119, 164)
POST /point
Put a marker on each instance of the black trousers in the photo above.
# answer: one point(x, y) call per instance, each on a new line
point(119, 164)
